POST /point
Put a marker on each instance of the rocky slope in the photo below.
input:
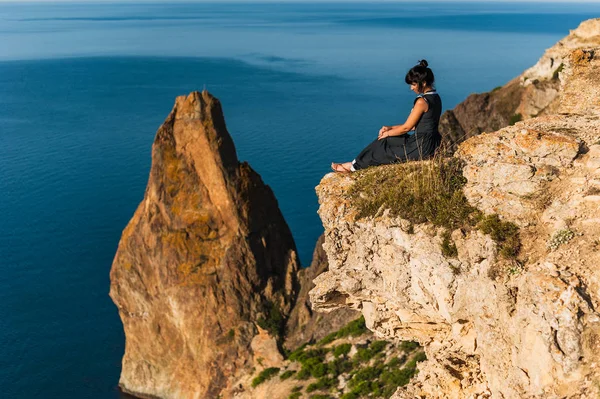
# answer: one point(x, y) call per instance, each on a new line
point(206, 255)
point(492, 326)
point(533, 93)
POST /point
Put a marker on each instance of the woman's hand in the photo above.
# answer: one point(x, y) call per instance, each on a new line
point(384, 129)
point(382, 132)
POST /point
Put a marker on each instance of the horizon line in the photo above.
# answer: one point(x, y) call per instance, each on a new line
point(303, 1)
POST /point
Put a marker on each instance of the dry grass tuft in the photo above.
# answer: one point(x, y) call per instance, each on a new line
point(424, 191)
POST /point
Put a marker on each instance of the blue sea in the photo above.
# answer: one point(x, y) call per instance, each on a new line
point(84, 87)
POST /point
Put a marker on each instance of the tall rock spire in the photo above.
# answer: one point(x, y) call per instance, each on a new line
point(206, 254)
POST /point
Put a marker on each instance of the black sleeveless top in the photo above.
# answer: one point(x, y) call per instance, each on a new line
point(430, 120)
point(424, 140)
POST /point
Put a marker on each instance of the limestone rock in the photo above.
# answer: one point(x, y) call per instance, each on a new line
point(265, 351)
point(305, 325)
point(205, 255)
point(491, 327)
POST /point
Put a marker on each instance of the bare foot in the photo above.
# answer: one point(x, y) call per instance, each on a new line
point(341, 167)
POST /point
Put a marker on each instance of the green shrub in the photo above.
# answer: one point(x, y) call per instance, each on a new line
point(355, 328)
point(395, 362)
point(365, 374)
point(361, 388)
point(319, 396)
point(378, 346)
point(408, 346)
point(312, 363)
point(287, 374)
point(303, 374)
point(328, 338)
point(297, 388)
point(557, 71)
point(515, 118)
point(312, 387)
point(297, 353)
point(419, 357)
point(398, 377)
point(339, 366)
point(318, 370)
point(295, 395)
point(449, 249)
point(274, 321)
point(505, 234)
point(375, 379)
point(264, 376)
point(379, 380)
point(342, 349)
point(363, 355)
point(304, 356)
point(322, 383)
point(350, 395)
point(560, 237)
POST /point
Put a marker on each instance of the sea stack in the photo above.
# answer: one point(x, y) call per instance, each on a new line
point(206, 255)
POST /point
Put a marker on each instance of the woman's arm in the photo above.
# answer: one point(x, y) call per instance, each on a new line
point(418, 110)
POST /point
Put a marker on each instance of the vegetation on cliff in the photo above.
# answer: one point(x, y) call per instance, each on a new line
point(348, 364)
point(429, 192)
point(420, 192)
point(274, 321)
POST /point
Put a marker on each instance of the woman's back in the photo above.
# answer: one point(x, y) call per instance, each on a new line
point(430, 120)
point(426, 136)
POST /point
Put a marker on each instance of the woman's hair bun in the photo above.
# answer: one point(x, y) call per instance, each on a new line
point(420, 74)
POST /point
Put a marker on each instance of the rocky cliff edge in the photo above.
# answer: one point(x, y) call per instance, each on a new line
point(492, 327)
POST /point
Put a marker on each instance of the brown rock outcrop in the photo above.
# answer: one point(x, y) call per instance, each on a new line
point(478, 113)
point(206, 254)
point(305, 325)
point(533, 93)
point(492, 327)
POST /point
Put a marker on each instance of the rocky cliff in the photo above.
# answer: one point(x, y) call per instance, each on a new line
point(305, 325)
point(533, 93)
point(495, 323)
point(206, 257)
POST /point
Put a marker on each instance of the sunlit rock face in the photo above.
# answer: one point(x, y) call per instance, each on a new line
point(304, 324)
point(492, 327)
point(206, 254)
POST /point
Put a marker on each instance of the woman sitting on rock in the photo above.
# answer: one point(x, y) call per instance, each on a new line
point(415, 139)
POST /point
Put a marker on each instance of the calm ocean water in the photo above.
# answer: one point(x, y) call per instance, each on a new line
point(83, 88)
